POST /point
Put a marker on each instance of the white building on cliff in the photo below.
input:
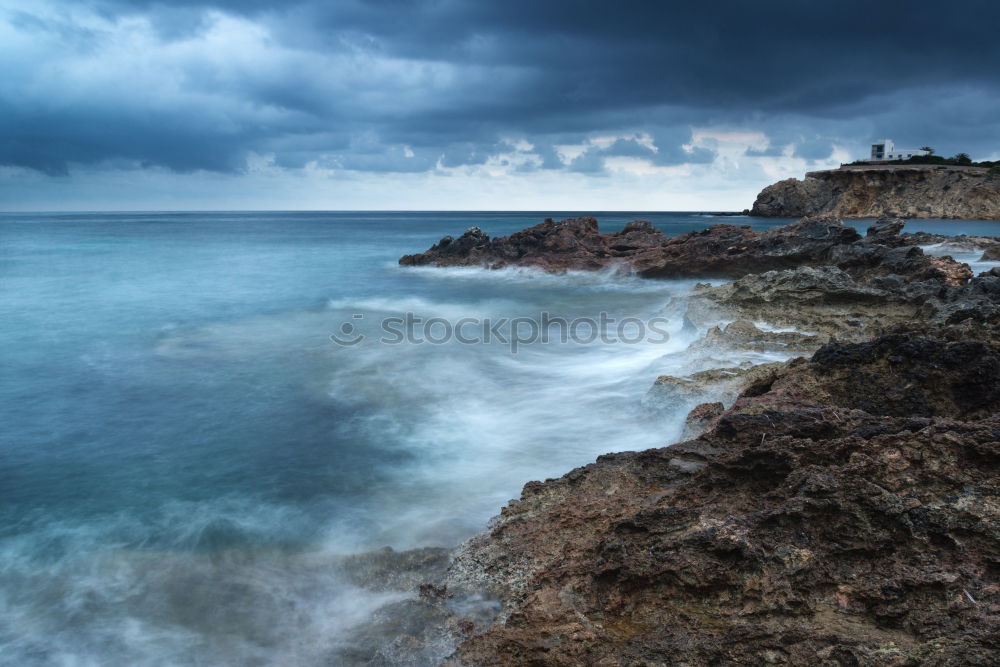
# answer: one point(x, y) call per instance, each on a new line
point(884, 150)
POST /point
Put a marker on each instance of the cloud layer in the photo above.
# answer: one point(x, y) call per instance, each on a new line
point(448, 88)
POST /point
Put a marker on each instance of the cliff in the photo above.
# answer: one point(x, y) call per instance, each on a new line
point(920, 191)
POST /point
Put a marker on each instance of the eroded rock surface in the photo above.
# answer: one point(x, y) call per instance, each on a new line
point(875, 191)
point(812, 524)
point(724, 251)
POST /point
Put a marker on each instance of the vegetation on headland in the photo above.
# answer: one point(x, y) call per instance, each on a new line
point(959, 160)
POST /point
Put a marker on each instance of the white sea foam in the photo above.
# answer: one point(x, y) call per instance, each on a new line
point(610, 279)
point(209, 591)
point(961, 254)
point(468, 424)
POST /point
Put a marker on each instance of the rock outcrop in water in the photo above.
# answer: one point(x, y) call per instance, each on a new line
point(722, 251)
point(919, 191)
point(837, 510)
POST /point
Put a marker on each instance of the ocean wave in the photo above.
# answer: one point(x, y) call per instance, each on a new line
point(609, 279)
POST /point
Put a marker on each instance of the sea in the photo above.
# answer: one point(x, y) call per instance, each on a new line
point(203, 412)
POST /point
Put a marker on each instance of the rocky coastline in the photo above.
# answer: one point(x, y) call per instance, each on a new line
point(873, 191)
point(840, 508)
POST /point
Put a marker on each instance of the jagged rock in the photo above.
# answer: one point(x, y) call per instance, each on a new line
point(701, 417)
point(861, 528)
point(725, 251)
point(724, 384)
point(828, 301)
point(825, 300)
point(449, 247)
point(574, 243)
point(959, 242)
point(886, 231)
point(991, 254)
point(920, 191)
point(746, 335)
point(896, 375)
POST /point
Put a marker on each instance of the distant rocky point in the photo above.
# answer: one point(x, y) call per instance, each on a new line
point(873, 191)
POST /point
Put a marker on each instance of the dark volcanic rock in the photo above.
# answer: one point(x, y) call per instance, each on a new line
point(886, 231)
point(896, 375)
point(731, 252)
point(901, 375)
point(574, 243)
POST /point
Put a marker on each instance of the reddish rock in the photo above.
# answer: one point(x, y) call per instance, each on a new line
point(723, 251)
point(574, 243)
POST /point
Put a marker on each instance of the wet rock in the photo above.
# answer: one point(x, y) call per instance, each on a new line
point(723, 384)
point(574, 243)
point(845, 512)
point(390, 570)
point(724, 251)
point(700, 418)
point(728, 251)
point(422, 621)
point(745, 335)
point(823, 300)
point(450, 249)
point(886, 231)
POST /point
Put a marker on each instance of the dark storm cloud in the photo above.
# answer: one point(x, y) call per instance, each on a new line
point(407, 85)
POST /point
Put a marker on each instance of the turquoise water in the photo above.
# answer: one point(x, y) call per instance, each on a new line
point(184, 449)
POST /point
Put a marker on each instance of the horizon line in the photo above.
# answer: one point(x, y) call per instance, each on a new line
point(364, 210)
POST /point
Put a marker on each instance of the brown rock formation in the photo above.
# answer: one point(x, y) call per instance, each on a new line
point(875, 191)
point(724, 251)
point(812, 524)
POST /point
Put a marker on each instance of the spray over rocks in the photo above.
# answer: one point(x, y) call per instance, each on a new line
point(837, 508)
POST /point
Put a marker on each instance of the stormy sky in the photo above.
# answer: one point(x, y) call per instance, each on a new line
point(475, 104)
